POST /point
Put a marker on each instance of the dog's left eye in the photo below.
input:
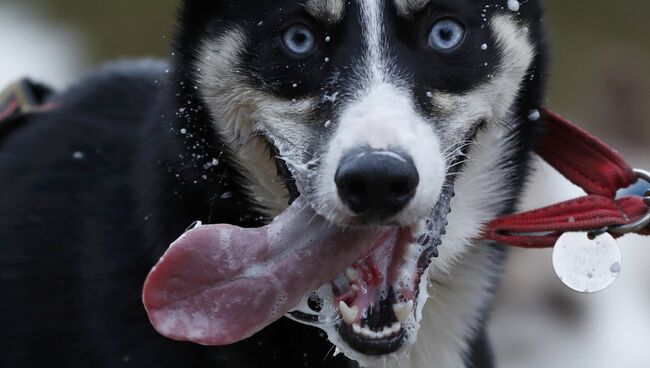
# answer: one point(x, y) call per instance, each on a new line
point(299, 40)
point(446, 34)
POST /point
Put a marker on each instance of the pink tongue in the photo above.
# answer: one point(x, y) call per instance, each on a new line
point(220, 284)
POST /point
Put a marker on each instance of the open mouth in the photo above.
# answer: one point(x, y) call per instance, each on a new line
point(374, 304)
point(376, 298)
point(381, 331)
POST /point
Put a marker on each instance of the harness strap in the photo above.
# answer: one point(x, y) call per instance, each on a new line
point(600, 171)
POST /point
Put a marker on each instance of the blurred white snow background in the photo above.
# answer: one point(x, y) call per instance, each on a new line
point(604, 81)
point(35, 47)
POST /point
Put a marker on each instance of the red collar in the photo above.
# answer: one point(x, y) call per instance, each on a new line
point(600, 171)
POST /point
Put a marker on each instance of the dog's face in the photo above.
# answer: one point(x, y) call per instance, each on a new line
point(369, 103)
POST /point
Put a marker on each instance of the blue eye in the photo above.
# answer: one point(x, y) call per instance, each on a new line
point(299, 40)
point(446, 34)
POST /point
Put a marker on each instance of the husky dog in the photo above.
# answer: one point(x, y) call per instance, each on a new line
point(374, 112)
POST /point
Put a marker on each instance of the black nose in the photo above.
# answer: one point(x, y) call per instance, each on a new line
point(377, 184)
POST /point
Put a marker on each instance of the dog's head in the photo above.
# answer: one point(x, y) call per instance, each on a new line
point(364, 107)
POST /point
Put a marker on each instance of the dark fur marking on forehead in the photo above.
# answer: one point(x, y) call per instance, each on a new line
point(329, 11)
point(406, 7)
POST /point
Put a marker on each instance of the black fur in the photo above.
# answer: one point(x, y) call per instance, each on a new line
point(91, 194)
point(79, 234)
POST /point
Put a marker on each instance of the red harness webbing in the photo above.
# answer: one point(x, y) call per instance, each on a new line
point(592, 165)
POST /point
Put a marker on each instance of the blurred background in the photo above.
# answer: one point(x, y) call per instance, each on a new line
point(600, 79)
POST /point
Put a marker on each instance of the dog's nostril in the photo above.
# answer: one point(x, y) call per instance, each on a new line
point(377, 184)
point(356, 187)
point(400, 188)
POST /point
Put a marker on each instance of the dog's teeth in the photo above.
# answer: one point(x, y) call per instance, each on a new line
point(349, 314)
point(351, 275)
point(403, 311)
point(411, 252)
point(387, 331)
point(419, 228)
point(367, 333)
point(396, 327)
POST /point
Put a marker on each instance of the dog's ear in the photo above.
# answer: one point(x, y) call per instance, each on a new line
point(198, 12)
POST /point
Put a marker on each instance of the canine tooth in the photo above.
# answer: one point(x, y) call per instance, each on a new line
point(396, 327)
point(356, 328)
point(349, 314)
point(403, 311)
point(351, 275)
point(410, 252)
point(418, 228)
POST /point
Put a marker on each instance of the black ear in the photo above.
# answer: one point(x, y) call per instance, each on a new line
point(194, 22)
point(198, 12)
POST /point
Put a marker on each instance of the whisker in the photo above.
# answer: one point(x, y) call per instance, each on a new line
point(329, 352)
point(461, 162)
point(286, 141)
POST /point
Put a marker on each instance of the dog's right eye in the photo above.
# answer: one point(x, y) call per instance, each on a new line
point(446, 34)
point(299, 40)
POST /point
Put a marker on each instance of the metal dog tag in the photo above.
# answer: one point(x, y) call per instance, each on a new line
point(587, 265)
